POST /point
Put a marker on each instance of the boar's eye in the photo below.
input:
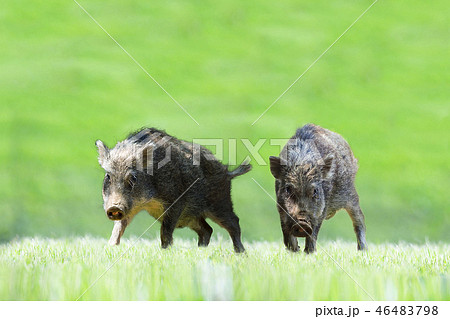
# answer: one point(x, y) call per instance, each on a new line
point(132, 180)
point(106, 182)
point(289, 190)
point(315, 193)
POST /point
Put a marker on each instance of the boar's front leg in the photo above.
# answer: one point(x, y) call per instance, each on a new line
point(290, 241)
point(167, 227)
point(117, 232)
point(169, 224)
point(310, 240)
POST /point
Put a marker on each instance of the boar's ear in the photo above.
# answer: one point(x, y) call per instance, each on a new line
point(328, 167)
point(103, 151)
point(275, 166)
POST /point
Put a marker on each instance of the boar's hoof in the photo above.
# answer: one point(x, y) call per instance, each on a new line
point(114, 242)
point(239, 249)
point(301, 229)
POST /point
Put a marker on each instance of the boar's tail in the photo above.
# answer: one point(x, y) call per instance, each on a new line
point(241, 170)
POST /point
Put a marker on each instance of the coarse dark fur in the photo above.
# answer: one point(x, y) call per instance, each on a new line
point(315, 177)
point(179, 193)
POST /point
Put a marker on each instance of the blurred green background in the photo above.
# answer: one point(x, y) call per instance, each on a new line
point(384, 86)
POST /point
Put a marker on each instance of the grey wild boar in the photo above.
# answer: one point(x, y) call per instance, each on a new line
point(181, 184)
point(315, 177)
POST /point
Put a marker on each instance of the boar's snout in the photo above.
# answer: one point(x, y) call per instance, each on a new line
point(115, 213)
point(301, 228)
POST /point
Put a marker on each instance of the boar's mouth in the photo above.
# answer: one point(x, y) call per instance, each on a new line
point(301, 228)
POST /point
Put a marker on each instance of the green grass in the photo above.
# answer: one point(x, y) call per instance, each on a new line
point(383, 86)
point(43, 269)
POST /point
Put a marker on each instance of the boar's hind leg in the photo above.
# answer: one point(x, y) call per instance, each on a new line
point(232, 226)
point(117, 232)
point(229, 221)
point(203, 230)
point(359, 225)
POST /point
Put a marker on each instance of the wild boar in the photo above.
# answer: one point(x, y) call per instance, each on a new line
point(315, 177)
point(181, 184)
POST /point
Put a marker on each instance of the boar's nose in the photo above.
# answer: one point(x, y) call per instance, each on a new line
point(301, 228)
point(114, 213)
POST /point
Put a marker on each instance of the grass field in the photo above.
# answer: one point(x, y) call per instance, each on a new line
point(42, 269)
point(384, 86)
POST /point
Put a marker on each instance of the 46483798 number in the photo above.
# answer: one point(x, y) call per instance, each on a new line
point(407, 310)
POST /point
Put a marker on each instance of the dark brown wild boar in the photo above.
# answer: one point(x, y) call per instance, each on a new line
point(315, 177)
point(179, 183)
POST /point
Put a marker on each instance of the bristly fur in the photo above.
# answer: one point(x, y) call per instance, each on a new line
point(209, 185)
point(315, 177)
